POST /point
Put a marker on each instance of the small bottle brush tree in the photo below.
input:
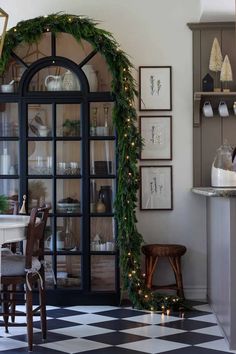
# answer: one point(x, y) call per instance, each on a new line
point(226, 73)
point(216, 60)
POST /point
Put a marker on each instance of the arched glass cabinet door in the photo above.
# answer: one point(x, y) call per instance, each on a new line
point(67, 157)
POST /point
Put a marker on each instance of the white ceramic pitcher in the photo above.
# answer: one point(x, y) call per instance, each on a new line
point(53, 83)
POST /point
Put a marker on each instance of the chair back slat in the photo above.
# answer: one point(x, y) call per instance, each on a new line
point(35, 235)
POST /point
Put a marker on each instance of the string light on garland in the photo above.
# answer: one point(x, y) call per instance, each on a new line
point(124, 93)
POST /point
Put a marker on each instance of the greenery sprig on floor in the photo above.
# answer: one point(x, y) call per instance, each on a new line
point(129, 142)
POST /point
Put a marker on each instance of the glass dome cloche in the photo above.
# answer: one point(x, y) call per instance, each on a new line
point(223, 171)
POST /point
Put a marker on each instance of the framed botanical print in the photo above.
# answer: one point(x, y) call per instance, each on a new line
point(156, 133)
point(155, 88)
point(156, 188)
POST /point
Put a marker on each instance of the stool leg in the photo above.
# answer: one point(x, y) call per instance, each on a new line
point(176, 266)
point(150, 265)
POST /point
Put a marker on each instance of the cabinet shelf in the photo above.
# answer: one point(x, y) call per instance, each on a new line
point(199, 95)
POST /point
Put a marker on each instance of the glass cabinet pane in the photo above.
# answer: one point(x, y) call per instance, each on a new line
point(68, 120)
point(49, 273)
point(102, 234)
point(69, 271)
point(9, 126)
point(68, 235)
point(39, 158)
point(101, 278)
point(68, 196)
point(102, 154)
point(54, 78)
point(9, 157)
point(68, 158)
point(101, 119)
point(10, 188)
point(39, 192)
point(39, 120)
point(102, 193)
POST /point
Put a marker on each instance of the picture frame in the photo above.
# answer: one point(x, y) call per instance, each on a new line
point(155, 88)
point(156, 133)
point(156, 189)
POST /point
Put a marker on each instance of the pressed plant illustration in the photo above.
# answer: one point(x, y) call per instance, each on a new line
point(155, 85)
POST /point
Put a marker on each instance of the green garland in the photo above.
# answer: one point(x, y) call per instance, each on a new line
point(129, 142)
point(3, 203)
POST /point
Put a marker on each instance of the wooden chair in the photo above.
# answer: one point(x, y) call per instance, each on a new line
point(173, 253)
point(26, 271)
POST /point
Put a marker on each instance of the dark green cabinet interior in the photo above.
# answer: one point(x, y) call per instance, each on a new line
point(210, 133)
point(58, 146)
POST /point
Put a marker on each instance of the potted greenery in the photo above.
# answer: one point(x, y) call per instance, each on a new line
point(71, 127)
point(3, 203)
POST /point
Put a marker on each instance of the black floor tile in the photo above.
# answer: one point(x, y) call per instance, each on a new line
point(191, 338)
point(118, 324)
point(195, 350)
point(187, 325)
point(57, 313)
point(121, 313)
point(115, 338)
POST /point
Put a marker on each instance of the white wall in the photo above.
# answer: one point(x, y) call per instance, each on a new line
point(217, 10)
point(154, 32)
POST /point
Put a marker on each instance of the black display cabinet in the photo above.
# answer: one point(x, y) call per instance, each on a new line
point(58, 146)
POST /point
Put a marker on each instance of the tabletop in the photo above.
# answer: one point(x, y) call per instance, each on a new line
point(12, 228)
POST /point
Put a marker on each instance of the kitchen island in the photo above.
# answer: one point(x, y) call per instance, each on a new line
point(221, 256)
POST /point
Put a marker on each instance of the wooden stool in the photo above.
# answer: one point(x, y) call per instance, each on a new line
point(173, 252)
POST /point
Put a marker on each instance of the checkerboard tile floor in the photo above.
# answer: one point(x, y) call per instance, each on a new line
point(120, 330)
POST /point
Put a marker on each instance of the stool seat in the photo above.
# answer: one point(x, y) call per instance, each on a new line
point(173, 252)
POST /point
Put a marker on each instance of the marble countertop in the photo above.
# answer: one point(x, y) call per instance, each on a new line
point(215, 192)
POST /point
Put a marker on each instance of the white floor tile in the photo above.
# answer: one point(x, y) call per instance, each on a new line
point(82, 331)
point(77, 345)
point(87, 318)
point(153, 331)
point(92, 309)
point(214, 331)
point(204, 307)
point(153, 346)
point(8, 343)
point(219, 344)
point(206, 318)
point(15, 331)
point(151, 318)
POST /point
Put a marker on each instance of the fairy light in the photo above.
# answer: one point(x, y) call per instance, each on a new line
point(168, 312)
point(146, 296)
point(128, 119)
point(129, 254)
point(69, 19)
point(130, 174)
point(125, 135)
point(15, 30)
point(130, 275)
point(127, 157)
point(132, 143)
point(48, 30)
